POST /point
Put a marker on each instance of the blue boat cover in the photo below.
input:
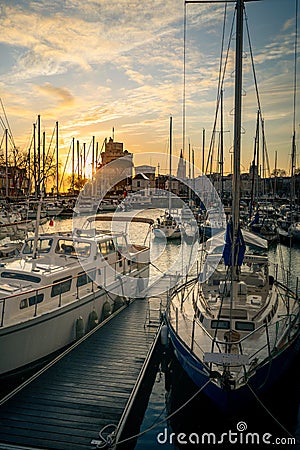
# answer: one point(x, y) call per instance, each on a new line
point(240, 247)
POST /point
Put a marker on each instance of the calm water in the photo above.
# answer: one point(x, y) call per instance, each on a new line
point(277, 414)
point(172, 388)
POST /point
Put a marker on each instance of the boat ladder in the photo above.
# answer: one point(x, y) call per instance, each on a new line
point(155, 310)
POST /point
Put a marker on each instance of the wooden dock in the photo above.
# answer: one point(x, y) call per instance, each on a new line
point(66, 406)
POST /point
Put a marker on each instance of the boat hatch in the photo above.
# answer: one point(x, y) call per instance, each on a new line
point(8, 288)
point(20, 276)
point(255, 300)
point(235, 313)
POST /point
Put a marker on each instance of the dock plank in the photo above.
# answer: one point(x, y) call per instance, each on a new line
point(67, 405)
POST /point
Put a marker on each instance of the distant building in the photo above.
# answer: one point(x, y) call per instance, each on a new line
point(181, 169)
point(13, 182)
point(114, 150)
point(122, 167)
point(149, 172)
point(140, 182)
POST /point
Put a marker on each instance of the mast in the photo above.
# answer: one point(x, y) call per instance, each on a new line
point(222, 148)
point(34, 160)
point(38, 156)
point(44, 161)
point(275, 174)
point(237, 122)
point(170, 164)
point(93, 156)
point(73, 164)
point(57, 184)
point(6, 164)
point(236, 156)
point(203, 149)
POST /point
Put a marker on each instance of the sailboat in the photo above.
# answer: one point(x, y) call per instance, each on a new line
point(167, 226)
point(235, 329)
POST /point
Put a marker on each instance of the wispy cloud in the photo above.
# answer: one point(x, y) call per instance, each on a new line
point(99, 63)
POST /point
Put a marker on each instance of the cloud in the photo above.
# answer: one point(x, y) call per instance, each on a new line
point(63, 95)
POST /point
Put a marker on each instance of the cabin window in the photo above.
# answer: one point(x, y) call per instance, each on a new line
point(102, 248)
point(42, 246)
point(83, 249)
point(35, 299)
point(110, 246)
point(24, 303)
point(61, 286)
point(73, 248)
point(244, 326)
point(20, 276)
point(84, 278)
point(107, 247)
point(220, 324)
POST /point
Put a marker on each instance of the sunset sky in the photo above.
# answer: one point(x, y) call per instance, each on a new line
point(96, 64)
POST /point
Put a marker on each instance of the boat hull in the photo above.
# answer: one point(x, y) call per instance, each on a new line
point(27, 342)
point(166, 233)
point(231, 401)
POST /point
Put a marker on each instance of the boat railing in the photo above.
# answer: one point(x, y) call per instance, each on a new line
point(12, 307)
point(285, 278)
point(270, 336)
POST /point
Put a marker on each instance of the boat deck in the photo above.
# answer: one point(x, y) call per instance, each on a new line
point(66, 406)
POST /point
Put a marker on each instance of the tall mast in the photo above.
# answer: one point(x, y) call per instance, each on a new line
point(170, 165)
point(34, 160)
point(38, 156)
point(73, 164)
point(57, 184)
point(222, 148)
point(43, 161)
point(236, 156)
point(237, 120)
point(203, 147)
point(6, 164)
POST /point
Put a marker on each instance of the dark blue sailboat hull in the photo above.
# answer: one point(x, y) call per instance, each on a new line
point(235, 400)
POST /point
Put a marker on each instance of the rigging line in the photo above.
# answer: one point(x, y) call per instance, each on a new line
point(219, 93)
point(64, 171)
point(50, 157)
point(268, 411)
point(295, 67)
point(52, 137)
point(222, 47)
point(8, 126)
point(184, 81)
point(166, 418)
point(9, 133)
point(257, 95)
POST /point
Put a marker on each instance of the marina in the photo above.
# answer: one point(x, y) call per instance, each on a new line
point(82, 369)
point(146, 303)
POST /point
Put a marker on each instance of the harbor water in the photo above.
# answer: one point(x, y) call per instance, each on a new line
point(176, 414)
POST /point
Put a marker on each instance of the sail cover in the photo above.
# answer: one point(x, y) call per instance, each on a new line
point(239, 247)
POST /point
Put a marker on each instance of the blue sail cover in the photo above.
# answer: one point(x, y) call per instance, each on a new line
point(240, 246)
point(255, 219)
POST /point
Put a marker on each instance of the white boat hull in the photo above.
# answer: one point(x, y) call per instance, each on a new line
point(29, 341)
